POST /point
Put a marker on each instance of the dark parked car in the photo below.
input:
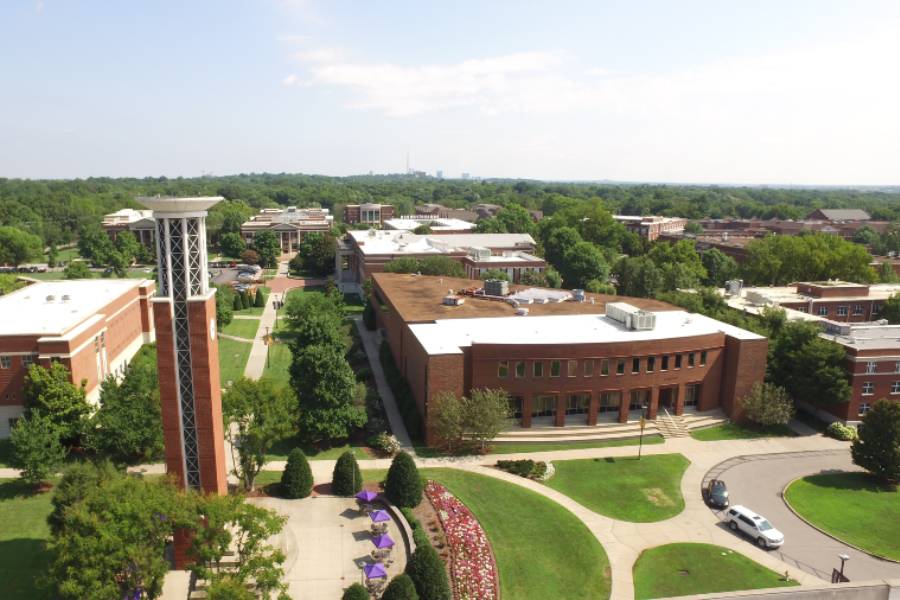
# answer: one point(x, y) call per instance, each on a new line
point(717, 493)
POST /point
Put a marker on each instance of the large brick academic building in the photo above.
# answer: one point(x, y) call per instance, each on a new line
point(564, 358)
point(93, 327)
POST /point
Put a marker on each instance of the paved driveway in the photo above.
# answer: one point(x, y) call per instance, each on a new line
point(757, 482)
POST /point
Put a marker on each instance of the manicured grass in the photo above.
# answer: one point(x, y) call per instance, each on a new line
point(853, 507)
point(551, 447)
point(625, 488)
point(686, 569)
point(353, 304)
point(245, 328)
point(138, 273)
point(23, 532)
point(733, 431)
point(64, 255)
point(279, 361)
point(542, 550)
point(283, 448)
point(253, 311)
point(232, 359)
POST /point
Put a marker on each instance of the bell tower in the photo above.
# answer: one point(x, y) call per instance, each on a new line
point(184, 312)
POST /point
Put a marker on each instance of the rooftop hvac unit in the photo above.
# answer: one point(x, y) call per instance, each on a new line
point(630, 316)
point(51, 298)
point(578, 295)
point(496, 287)
point(522, 312)
point(733, 287)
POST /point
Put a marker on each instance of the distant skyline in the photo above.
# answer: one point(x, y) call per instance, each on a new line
point(771, 92)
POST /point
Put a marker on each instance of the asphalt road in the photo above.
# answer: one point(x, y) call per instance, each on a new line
point(757, 482)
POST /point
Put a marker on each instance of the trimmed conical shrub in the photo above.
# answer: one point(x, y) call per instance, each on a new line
point(237, 305)
point(245, 299)
point(297, 479)
point(401, 587)
point(355, 592)
point(346, 479)
point(428, 574)
point(404, 484)
point(259, 300)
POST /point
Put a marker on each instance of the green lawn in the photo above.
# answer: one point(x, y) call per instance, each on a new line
point(624, 488)
point(245, 328)
point(137, 273)
point(253, 311)
point(283, 448)
point(852, 507)
point(686, 569)
point(278, 363)
point(542, 550)
point(733, 431)
point(353, 304)
point(64, 255)
point(23, 531)
point(232, 359)
point(553, 447)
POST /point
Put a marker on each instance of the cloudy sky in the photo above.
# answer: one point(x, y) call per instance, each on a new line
point(785, 91)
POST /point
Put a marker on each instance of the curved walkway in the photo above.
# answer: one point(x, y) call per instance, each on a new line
point(758, 482)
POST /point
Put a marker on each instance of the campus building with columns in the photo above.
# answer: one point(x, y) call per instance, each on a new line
point(565, 358)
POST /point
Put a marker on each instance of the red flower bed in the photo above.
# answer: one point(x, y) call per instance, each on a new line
point(472, 567)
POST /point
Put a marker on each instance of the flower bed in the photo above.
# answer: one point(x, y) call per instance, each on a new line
point(472, 567)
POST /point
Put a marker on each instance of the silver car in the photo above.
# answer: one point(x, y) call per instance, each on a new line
point(740, 518)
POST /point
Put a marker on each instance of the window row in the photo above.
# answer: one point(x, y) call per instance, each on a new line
point(546, 405)
point(27, 360)
point(868, 388)
point(842, 311)
point(602, 366)
point(872, 367)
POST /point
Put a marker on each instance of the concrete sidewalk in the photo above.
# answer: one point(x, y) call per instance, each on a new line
point(256, 364)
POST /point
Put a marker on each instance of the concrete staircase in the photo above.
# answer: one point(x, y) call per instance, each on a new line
point(669, 426)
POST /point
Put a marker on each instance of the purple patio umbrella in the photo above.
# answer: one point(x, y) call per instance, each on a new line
point(375, 571)
point(379, 516)
point(383, 541)
point(366, 496)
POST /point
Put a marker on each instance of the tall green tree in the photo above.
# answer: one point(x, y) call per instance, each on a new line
point(17, 246)
point(890, 310)
point(49, 392)
point(36, 448)
point(485, 414)
point(77, 270)
point(317, 253)
point(268, 247)
point(232, 244)
point(78, 481)
point(446, 416)
point(810, 368)
point(582, 263)
point(325, 385)
point(781, 259)
point(224, 306)
point(127, 426)
point(441, 265)
point(877, 449)
point(260, 414)
point(638, 277)
point(719, 267)
point(404, 485)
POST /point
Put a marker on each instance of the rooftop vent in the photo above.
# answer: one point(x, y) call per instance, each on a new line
point(496, 287)
point(630, 316)
point(578, 295)
point(51, 298)
point(66, 297)
point(522, 312)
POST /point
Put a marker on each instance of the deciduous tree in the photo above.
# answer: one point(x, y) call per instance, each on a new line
point(17, 246)
point(36, 448)
point(767, 404)
point(49, 392)
point(485, 414)
point(877, 449)
point(325, 385)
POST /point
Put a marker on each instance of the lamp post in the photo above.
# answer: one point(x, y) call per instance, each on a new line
point(268, 341)
point(362, 565)
point(844, 558)
point(643, 422)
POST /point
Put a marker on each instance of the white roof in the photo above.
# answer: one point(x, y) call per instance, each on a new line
point(868, 337)
point(127, 215)
point(447, 336)
point(404, 242)
point(788, 294)
point(436, 224)
point(27, 311)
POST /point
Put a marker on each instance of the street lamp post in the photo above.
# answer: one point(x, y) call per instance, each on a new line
point(844, 558)
point(268, 342)
point(643, 423)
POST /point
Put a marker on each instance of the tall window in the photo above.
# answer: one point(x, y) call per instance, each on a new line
point(620, 367)
point(691, 394)
point(5, 362)
point(577, 404)
point(842, 311)
point(677, 361)
point(543, 406)
point(690, 359)
point(897, 367)
point(858, 310)
point(503, 369)
point(871, 366)
point(868, 388)
point(651, 364)
point(703, 358)
point(571, 368)
point(588, 367)
point(665, 363)
point(520, 369)
point(639, 399)
point(538, 368)
point(863, 408)
point(554, 368)
point(610, 401)
point(895, 387)
point(635, 365)
point(604, 366)
point(28, 360)
point(823, 311)
point(515, 407)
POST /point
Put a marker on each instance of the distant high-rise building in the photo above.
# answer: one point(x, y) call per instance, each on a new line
point(439, 174)
point(465, 175)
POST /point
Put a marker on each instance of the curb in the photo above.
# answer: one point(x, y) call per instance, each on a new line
point(822, 531)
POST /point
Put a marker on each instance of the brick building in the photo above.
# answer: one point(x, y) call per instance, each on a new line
point(443, 212)
point(832, 300)
point(651, 227)
point(92, 326)
point(368, 214)
point(872, 364)
point(138, 222)
point(289, 225)
point(565, 362)
point(361, 253)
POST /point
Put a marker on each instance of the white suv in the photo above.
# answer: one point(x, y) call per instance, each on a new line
point(741, 518)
